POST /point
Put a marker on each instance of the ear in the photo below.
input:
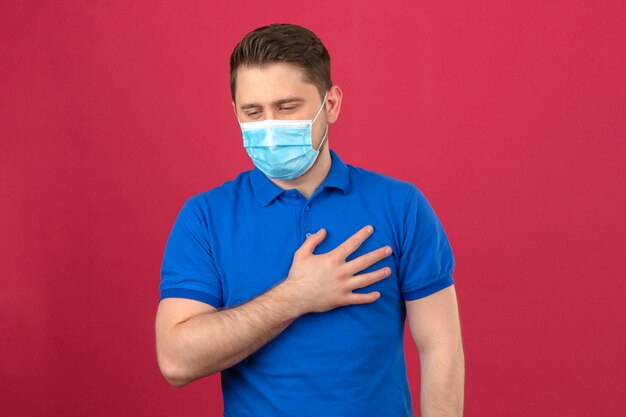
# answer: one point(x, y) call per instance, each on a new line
point(333, 103)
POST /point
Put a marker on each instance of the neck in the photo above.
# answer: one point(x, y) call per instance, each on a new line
point(307, 183)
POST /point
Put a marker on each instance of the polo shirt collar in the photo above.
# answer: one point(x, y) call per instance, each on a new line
point(338, 174)
point(266, 191)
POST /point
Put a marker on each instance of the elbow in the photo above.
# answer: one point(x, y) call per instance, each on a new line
point(173, 372)
point(176, 382)
point(178, 375)
point(177, 368)
point(170, 364)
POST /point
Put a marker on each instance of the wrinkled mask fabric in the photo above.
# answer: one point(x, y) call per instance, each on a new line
point(282, 149)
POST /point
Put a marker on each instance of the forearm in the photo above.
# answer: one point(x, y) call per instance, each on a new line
point(442, 385)
point(213, 341)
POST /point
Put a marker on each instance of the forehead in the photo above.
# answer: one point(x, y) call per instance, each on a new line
point(271, 82)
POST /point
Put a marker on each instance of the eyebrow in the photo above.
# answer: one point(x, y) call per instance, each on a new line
point(280, 102)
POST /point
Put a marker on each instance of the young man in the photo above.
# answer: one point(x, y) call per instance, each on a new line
point(294, 279)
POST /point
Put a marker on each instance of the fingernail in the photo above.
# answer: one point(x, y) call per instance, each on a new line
point(388, 251)
point(370, 229)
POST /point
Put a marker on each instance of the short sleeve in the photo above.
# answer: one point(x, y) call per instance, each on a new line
point(188, 269)
point(426, 262)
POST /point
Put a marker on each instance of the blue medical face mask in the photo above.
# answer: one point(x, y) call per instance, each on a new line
point(282, 149)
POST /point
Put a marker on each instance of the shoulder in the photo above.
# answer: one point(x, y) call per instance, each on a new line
point(225, 192)
point(382, 184)
point(402, 198)
point(218, 199)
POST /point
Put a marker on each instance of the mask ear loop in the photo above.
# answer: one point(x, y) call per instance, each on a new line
point(315, 118)
point(323, 139)
point(320, 110)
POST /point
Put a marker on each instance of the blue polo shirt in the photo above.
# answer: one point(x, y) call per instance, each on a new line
point(236, 241)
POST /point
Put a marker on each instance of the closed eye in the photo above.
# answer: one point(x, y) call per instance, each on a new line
point(287, 109)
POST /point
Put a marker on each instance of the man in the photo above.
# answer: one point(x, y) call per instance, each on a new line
point(294, 279)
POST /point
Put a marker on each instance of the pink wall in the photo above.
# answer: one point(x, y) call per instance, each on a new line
point(509, 116)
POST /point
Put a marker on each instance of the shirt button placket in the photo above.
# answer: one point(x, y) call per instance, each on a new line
point(304, 220)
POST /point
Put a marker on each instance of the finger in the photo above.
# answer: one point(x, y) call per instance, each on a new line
point(311, 242)
point(364, 280)
point(355, 298)
point(367, 260)
point(353, 242)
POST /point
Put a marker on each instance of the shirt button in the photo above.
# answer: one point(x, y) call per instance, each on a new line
point(308, 234)
point(307, 208)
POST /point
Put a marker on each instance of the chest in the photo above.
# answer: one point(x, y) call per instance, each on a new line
point(254, 250)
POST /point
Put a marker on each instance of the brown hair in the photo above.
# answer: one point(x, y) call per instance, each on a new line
point(283, 43)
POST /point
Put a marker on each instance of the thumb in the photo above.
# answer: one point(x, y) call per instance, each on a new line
point(313, 240)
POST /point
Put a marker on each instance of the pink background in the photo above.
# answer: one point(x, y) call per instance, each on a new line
point(508, 115)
